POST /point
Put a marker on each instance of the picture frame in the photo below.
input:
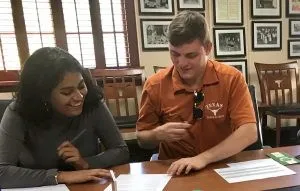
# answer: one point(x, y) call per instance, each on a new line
point(154, 34)
point(196, 5)
point(240, 64)
point(267, 35)
point(150, 7)
point(293, 49)
point(266, 9)
point(294, 28)
point(229, 42)
point(228, 12)
point(292, 8)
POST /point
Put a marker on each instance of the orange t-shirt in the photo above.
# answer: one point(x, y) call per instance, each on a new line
point(226, 106)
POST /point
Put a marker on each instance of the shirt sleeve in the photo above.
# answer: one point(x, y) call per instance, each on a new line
point(116, 149)
point(149, 107)
point(11, 144)
point(240, 103)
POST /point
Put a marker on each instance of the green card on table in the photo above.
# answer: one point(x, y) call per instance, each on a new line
point(283, 158)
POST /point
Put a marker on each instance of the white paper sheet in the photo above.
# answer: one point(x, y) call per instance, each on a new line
point(59, 187)
point(249, 162)
point(138, 182)
point(253, 170)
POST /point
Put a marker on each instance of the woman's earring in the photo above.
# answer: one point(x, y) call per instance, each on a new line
point(46, 106)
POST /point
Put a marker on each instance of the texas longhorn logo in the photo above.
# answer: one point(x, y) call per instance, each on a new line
point(214, 108)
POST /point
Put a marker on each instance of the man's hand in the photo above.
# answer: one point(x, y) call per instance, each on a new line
point(80, 176)
point(70, 154)
point(185, 165)
point(172, 131)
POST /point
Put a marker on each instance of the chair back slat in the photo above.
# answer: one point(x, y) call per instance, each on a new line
point(278, 83)
point(118, 107)
point(136, 106)
point(127, 107)
point(283, 92)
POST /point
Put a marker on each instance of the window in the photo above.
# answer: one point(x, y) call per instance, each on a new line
point(114, 34)
point(79, 31)
point(8, 46)
point(100, 34)
point(39, 24)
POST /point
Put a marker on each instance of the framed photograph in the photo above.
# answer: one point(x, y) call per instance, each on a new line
point(292, 8)
point(154, 34)
point(156, 7)
point(240, 64)
point(228, 12)
point(294, 28)
point(265, 8)
point(293, 49)
point(198, 5)
point(266, 35)
point(229, 42)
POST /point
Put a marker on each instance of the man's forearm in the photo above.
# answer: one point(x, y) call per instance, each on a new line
point(147, 139)
point(240, 139)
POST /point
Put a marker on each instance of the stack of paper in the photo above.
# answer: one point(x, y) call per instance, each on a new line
point(253, 170)
point(59, 187)
point(138, 182)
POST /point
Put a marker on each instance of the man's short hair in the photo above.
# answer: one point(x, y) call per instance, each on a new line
point(188, 26)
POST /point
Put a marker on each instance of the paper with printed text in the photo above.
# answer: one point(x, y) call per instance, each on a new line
point(138, 182)
point(59, 187)
point(253, 170)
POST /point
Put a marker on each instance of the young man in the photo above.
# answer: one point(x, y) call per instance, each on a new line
point(198, 111)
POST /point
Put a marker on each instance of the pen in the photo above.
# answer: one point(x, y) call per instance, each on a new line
point(78, 136)
point(114, 183)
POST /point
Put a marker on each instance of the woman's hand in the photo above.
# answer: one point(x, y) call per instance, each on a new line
point(80, 176)
point(70, 154)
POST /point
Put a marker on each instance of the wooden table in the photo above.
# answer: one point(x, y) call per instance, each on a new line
point(207, 179)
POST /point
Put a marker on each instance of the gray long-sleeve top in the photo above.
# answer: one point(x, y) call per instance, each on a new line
point(28, 154)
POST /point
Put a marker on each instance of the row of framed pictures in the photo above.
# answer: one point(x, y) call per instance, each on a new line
point(266, 36)
point(166, 7)
point(293, 52)
point(227, 12)
point(228, 41)
point(230, 12)
point(231, 41)
point(272, 8)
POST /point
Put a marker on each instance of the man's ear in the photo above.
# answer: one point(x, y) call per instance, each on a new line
point(208, 47)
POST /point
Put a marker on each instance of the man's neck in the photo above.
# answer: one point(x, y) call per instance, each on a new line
point(196, 82)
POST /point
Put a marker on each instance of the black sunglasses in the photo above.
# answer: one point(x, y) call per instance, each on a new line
point(197, 111)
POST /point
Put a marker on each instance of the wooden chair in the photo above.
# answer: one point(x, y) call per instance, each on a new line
point(279, 86)
point(8, 80)
point(156, 68)
point(259, 143)
point(120, 93)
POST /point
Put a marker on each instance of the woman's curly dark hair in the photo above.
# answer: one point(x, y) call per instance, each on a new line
point(42, 72)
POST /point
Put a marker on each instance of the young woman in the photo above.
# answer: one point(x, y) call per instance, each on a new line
point(51, 133)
